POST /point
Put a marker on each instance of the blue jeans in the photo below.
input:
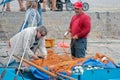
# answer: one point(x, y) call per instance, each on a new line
point(40, 12)
point(23, 27)
point(39, 24)
point(78, 47)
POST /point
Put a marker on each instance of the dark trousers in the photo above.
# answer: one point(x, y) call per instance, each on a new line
point(78, 47)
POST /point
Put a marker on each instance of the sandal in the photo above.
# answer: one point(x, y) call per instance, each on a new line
point(22, 9)
point(8, 9)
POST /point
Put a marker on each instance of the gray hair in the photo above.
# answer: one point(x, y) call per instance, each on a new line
point(42, 29)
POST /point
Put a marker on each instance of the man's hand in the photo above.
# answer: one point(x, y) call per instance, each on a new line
point(75, 37)
point(39, 56)
point(66, 33)
point(35, 57)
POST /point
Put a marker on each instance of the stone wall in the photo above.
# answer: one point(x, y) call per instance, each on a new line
point(104, 24)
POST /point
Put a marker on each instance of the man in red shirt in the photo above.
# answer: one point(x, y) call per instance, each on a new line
point(79, 28)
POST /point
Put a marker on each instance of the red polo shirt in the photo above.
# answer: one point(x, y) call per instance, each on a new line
point(80, 25)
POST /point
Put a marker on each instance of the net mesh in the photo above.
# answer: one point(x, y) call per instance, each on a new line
point(64, 62)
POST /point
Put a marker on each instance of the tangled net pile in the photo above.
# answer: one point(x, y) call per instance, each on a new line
point(62, 63)
point(58, 63)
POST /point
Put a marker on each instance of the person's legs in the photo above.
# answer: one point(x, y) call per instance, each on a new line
point(80, 47)
point(72, 47)
point(22, 8)
point(24, 25)
point(54, 5)
point(40, 12)
point(44, 5)
point(8, 7)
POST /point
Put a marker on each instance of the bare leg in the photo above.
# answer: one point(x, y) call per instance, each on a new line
point(44, 4)
point(54, 5)
point(21, 5)
point(8, 7)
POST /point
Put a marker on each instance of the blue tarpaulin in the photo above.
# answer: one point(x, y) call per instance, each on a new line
point(94, 62)
point(39, 74)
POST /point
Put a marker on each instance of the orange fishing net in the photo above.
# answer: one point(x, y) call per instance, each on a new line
point(58, 62)
point(64, 62)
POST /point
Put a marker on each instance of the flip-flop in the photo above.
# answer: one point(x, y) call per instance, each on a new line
point(22, 9)
point(8, 9)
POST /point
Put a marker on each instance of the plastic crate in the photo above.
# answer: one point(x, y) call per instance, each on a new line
point(49, 43)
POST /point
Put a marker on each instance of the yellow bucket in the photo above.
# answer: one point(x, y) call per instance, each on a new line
point(49, 43)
